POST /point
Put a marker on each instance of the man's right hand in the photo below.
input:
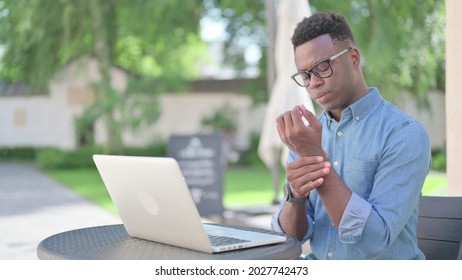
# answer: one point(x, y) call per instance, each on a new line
point(306, 174)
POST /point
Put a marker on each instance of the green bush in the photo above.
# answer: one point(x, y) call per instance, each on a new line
point(439, 160)
point(83, 157)
point(19, 153)
point(58, 159)
point(251, 157)
point(158, 150)
point(52, 158)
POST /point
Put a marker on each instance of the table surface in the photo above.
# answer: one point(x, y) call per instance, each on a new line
point(112, 242)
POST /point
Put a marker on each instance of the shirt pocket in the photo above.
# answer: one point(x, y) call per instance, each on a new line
point(359, 176)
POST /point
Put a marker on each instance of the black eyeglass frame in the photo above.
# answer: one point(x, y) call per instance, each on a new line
point(311, 70)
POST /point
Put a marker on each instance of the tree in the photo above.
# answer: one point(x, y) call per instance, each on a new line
point(158, 42)
point(402, 42)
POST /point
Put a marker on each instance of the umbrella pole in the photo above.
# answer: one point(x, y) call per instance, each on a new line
point(275, 171)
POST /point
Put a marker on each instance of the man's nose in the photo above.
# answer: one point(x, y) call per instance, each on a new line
point(315, 82)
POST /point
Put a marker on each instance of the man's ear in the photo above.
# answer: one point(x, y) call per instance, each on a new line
point(356, 58)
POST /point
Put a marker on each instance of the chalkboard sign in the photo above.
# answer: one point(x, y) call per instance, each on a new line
point(200, 157)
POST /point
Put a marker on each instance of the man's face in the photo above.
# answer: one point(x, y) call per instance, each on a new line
point(335, 92)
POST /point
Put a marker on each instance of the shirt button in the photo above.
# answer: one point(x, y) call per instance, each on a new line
point(357, 118)
point(335, 163)
point(330, 254)
point(339, 133)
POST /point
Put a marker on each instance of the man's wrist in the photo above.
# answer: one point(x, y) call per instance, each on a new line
point(289, 197)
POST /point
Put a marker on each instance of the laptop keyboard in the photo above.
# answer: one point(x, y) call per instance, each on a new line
point(224, 240)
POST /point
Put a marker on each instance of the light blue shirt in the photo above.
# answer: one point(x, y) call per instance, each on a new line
point(383, 156)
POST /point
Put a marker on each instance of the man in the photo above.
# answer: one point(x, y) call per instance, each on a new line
point(354, 177)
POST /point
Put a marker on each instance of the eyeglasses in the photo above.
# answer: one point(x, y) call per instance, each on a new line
point(322, 69)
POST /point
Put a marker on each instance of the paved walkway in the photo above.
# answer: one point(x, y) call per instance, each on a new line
point(34, 206)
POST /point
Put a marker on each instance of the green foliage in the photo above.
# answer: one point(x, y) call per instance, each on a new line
point(402, 42)
point(149, 38)
point(250, 158)
point(439, 160)
point(41, 36)
point(257, 90)
point(120, 111)
point(52, 158)
point(245, 25)
point(18, 153)
point(222, 119)
point(156, 40)
point(157, 150)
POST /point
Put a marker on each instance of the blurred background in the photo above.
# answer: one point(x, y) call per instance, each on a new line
point(123, 76)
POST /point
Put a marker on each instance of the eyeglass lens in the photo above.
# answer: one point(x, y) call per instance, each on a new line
point(321, 70)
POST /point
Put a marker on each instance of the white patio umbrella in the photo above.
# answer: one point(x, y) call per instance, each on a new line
point(285, 94)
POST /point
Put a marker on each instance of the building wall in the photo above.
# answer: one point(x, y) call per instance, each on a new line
point(433, 119)
point(48, 121)
point(39, 121)
point(183, 114)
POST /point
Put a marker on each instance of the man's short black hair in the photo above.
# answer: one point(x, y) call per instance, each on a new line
point(319, 24)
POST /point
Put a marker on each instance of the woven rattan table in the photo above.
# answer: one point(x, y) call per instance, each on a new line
point(112, 242)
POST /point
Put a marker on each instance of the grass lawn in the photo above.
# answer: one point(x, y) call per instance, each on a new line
point(252, 186)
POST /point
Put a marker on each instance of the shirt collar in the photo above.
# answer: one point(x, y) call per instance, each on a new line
point(361, 107)
point(364, 105)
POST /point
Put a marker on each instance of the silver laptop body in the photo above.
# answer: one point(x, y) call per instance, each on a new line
point(154, 203)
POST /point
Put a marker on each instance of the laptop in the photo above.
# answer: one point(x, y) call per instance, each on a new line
point(154, 203)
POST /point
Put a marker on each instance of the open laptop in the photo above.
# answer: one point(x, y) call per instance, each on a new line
point(154, 203)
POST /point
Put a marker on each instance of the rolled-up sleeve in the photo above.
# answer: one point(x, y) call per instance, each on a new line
point(275, 220)
point(354, 219)
point(277, 227)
